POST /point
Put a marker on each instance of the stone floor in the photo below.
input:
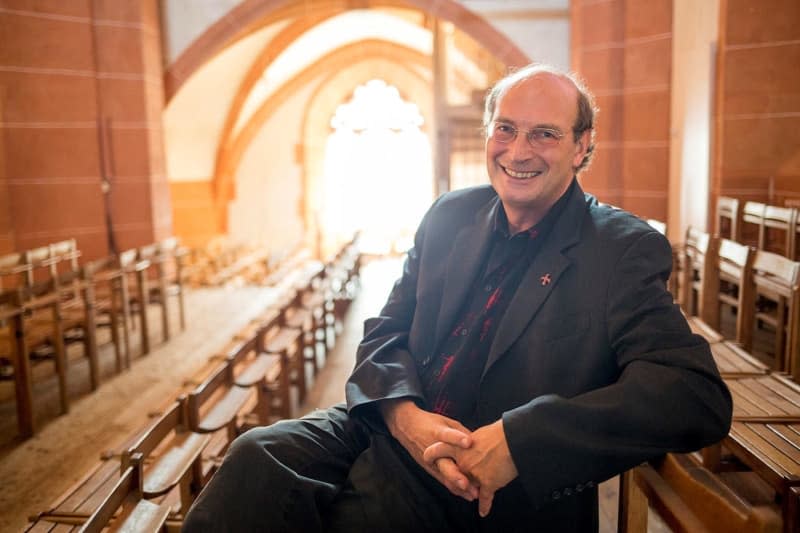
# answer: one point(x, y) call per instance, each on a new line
point(36, 471)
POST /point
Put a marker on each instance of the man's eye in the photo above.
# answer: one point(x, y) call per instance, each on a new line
point(504, 128)
point(545, 134)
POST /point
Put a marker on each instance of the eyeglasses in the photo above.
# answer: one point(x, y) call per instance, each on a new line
point(503, 132)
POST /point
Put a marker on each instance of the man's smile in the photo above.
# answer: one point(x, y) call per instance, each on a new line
point(521, 175)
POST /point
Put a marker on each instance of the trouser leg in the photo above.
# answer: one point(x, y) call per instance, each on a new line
point(281, 478)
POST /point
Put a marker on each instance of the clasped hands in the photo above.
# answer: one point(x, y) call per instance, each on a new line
point(472, 465)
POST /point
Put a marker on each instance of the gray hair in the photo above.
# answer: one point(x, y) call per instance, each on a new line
point(586, 105)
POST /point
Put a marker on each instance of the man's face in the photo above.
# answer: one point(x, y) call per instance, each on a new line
point(530, 178)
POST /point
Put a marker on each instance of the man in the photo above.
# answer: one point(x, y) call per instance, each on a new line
point(529, 351)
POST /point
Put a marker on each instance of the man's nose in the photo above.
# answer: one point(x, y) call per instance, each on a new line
point(520, 148)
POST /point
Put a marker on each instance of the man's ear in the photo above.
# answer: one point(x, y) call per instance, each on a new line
point(581, 147)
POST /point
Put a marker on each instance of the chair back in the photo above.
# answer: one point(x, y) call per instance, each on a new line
point(728, 218)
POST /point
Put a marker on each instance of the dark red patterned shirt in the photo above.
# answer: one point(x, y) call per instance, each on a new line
point(451, 381)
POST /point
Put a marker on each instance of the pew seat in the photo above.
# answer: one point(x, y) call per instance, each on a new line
point(690, 499)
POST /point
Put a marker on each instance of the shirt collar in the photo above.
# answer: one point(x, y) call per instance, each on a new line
point(500, 224)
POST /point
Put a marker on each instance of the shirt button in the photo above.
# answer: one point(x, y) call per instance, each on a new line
point(426, 361)
point(463, 332)
point(487, 288)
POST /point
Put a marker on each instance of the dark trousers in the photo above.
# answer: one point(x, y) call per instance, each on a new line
point(331, 472)
point(324, 472)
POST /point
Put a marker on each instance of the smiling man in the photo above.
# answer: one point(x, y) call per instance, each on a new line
point(529, 351)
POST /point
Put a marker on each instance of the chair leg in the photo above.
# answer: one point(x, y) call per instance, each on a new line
point(60, 360)
point(632, 516)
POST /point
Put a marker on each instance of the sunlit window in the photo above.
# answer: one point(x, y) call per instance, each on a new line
point(378, 171)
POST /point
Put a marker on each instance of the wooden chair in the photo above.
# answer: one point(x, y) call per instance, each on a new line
point(752, 223)
point(672, 283)
point(136, 514)
point(775, 279)
point(13, 274)
point(138, 284)
point(727, 218)
point(699, 257)
point(151, 280)
point(733, 269)
point(77, 303)
point(169, 275)
point(690, 499)
point(21, 335)
point(171, 455)
point(107, 284)
point(782, 220)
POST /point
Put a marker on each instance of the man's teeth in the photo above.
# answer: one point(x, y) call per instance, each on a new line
point(515, 174)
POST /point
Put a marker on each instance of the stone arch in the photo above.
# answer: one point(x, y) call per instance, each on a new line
point(253, 14)
point(334, 61)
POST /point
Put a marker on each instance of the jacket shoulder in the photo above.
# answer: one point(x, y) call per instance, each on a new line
point(614, 224)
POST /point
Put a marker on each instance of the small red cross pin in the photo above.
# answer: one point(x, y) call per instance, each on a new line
point(545, 280)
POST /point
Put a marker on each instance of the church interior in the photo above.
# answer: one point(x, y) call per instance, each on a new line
point(201, 202)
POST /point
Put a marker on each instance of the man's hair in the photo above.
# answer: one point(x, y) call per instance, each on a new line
point(586, 105)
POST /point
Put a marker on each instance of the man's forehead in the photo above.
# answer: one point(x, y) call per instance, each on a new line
point(556, 93)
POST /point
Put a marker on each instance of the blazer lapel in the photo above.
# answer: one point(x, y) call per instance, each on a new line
point(466, 257)
point(541, 279)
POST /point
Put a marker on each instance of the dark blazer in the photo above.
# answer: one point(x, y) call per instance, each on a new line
point(593, 368)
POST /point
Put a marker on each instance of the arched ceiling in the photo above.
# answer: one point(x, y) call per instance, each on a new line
point(219, 88)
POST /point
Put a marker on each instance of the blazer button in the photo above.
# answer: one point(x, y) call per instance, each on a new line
point(556, 495)
point(579, 487)
point(567, 492)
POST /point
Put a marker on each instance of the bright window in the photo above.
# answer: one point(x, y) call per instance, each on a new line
point(378, 171)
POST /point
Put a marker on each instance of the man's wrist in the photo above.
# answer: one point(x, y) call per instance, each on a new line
point(394, 409)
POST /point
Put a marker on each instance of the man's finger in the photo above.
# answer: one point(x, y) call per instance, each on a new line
point(455, 480)
point(485, 498)
point(438, 450)
point(455, 437)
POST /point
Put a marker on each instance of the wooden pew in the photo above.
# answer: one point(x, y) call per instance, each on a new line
point(171, 455)
point(690, 499)
point(733, 361)
point(136, 514)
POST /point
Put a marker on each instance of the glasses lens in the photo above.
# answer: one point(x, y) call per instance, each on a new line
point(544, 136)
point(503, 133)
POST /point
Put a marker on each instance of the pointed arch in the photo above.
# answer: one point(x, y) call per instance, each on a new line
point(251, 15)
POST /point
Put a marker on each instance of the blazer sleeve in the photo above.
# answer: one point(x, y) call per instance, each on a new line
point(669, 395)
point(385, 368)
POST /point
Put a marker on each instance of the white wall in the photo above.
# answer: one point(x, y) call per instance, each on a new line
point(186, 20)
point(269, 182)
